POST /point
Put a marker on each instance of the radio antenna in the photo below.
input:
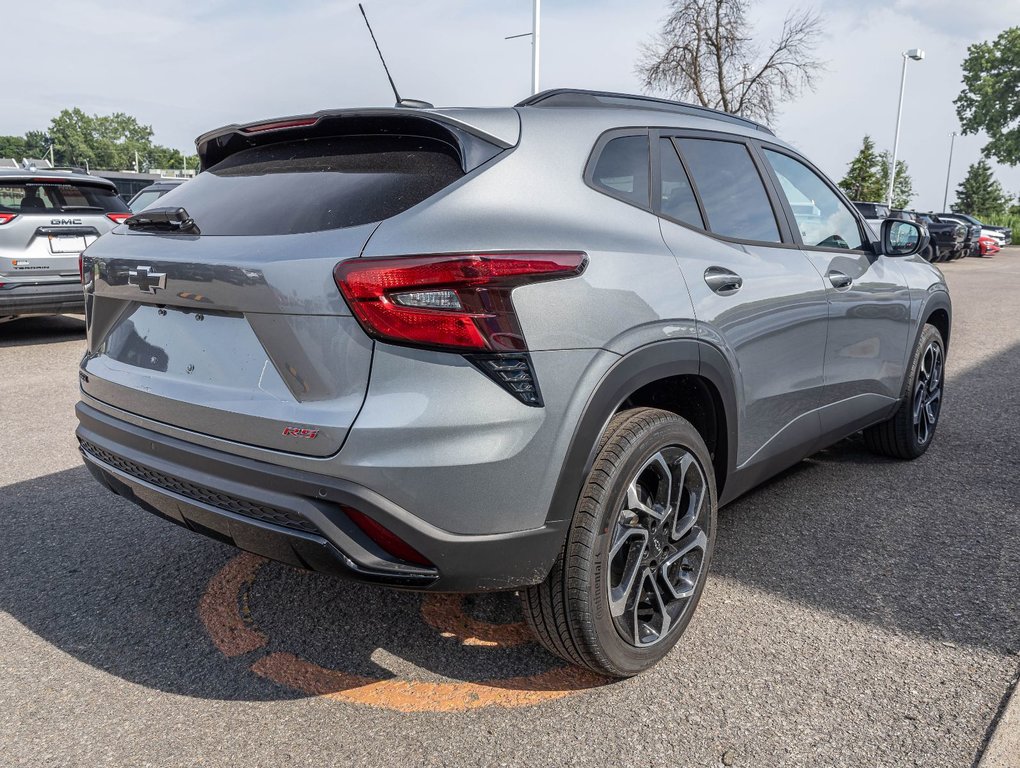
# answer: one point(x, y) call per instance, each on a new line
point(396, 94)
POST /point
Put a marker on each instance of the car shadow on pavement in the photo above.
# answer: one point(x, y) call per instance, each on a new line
point(32, 331)
point(143, 599)
point(930, 547)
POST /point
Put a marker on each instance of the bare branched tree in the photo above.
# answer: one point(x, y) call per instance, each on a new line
point(705, 53)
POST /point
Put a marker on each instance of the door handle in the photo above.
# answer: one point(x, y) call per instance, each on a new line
point(723, 281)
point(839, 280)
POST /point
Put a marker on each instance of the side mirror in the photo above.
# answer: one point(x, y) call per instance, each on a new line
point(903, 238)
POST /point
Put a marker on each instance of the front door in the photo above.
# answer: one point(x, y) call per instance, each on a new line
point(869, 303)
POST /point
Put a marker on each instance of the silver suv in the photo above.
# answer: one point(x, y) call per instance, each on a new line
point(47, 218)
point(529, 348)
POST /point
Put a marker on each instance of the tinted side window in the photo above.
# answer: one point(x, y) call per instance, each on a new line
point(822, 218)
point(622, 169)
point(315, 185)
point(677, 196)
point(731, 190)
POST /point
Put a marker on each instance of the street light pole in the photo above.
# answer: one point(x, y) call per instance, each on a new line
point(949, 169)
point(916, 54)
point(536, 29)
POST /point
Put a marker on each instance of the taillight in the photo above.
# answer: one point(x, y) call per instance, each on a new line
point(458, 302)
point(277, 125)
point(385, 538)
point(81, 269)
point(119, 218)
point(5, 217)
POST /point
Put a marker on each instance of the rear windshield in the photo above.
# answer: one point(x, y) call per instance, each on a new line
point(144, 199)
point(53, 197)
point(314, 185)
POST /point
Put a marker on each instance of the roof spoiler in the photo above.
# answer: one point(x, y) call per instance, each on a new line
point(473, 146)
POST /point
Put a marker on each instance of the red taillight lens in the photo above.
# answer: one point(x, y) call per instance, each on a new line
point(277, 125)
point(459, 301)
point(5, 217)
point(119, 218)
point(386, 538)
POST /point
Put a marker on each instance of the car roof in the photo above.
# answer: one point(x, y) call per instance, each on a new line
point(53, 174)
point(578, 97)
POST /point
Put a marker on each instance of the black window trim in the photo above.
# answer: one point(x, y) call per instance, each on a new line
point(596, 153)
point(868, 237)
point(657, 187)
point(782, 224)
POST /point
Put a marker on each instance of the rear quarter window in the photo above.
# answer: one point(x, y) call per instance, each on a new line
point(622, 169)
point(317, 184)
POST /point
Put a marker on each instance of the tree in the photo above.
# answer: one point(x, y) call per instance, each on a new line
point(979, 192)
point(990, 99)
point(705, 53)
point(903, 186)
point(863, 180)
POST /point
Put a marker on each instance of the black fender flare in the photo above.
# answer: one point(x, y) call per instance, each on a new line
point(659, 360)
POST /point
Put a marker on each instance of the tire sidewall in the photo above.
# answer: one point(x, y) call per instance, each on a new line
point(617, 652)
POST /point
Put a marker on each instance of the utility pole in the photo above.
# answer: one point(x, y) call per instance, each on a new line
point(536, 38)
point(53, 162)
point(949, 169)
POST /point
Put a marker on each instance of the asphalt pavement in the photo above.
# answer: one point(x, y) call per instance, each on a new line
point(860, 612)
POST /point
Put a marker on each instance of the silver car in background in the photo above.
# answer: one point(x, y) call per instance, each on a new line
point(528, 348)
point(47, 218)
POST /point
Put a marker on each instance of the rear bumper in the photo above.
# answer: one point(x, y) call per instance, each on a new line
point(298, 517)
point(45, 299)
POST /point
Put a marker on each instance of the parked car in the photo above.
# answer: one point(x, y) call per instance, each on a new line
point(470, 350)
point(948, 237)
point(1004, 235)
point(989, 246)
point(146, 197)
point(874, 214)
point(47, 218)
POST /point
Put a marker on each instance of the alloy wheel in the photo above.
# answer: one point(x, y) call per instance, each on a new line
point(657, 550)
point(928, 392)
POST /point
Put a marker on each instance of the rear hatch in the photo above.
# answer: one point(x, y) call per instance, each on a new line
point(234, 327)
point(46, 222)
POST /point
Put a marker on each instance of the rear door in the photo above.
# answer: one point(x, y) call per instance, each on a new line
point(235, 329)
point(48, 222)
point(869, 315)
point(755, 295)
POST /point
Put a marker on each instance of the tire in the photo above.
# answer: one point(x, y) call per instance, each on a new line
point(910, 431)
point(619, 537)
point(928, 254)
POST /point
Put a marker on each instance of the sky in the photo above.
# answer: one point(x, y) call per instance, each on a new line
point(186, 68)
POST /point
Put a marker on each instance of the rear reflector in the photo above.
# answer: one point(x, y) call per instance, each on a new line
point(280, 124)
point(385, 538)
point(456, 302)
point(119, 218)
point(5, 217)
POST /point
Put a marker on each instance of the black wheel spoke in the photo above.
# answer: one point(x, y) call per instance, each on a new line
point(927, 398)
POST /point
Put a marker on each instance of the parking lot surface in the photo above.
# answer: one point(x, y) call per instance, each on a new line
point(860, 611)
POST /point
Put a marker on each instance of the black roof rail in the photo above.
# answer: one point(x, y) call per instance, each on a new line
point(577, 97)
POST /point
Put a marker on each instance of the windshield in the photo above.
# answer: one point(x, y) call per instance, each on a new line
point(144, 200)
point(315, 185)
point(56, 197)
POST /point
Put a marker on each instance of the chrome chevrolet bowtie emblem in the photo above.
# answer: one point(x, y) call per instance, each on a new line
point(146, 279)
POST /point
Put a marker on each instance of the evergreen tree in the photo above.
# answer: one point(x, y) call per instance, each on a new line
point(979, 193)
point(903, 187)
point(863, 181)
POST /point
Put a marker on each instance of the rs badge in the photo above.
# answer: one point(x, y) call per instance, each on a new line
point(308, 434)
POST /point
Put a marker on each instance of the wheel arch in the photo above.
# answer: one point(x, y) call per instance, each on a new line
point(685, 368)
